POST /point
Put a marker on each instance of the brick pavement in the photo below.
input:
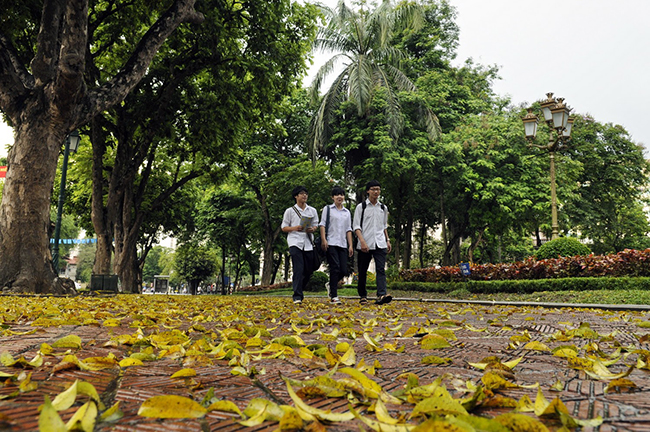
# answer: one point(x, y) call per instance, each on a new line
point(481, 331)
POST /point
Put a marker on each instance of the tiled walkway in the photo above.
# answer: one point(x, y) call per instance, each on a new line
point(481, 331)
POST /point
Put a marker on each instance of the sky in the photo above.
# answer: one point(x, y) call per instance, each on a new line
point(594, 53)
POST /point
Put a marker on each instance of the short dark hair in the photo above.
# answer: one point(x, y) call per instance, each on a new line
point(338, 190)
point(297, 190)
point(372, 183)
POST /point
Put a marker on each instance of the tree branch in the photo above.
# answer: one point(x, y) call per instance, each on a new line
point(44, 63)
point(15, 80)
point(116, 89)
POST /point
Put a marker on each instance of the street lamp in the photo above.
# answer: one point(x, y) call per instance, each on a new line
point(556, 115)
point(71, 144)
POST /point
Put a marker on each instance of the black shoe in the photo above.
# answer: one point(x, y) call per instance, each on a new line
point(384, 299)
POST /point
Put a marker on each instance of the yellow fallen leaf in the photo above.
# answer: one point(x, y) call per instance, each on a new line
point(99, 363)
point(70, 341)
point(494, 381)
point(112, 414)
point(318, 413)
point(383, 427)
point(226, 406)
point(46, 349)
point(291, 420)
point(619, 384)
point(64, 400)
point(435, 360)
point(26, 384)
point(171, 406)
point(84, 418)
point(128, 362)
point(382, 413)
point(366, 382)
point(536, 346)
point(49, 420)
point(440, 402)
point(434, 341)
point(183, 373)
point(521, 422)
point(260, 410)
point(349, 358)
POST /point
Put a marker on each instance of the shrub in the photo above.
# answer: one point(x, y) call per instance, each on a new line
point(562, 247)
point(317, 282)
point(529, 286)
point(629, 262)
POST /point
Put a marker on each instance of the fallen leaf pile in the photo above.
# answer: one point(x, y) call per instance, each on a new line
point(91, 363)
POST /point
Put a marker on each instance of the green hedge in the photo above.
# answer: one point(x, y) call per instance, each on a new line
point(529, 286)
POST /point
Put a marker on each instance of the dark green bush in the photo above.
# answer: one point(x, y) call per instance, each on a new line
point(529, 286)
point(317, 282)
point(562, 247)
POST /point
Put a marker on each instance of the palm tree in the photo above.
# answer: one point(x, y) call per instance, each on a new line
point(361, 39)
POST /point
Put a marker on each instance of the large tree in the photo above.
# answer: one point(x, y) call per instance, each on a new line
point(45, 95)
point(361, 39)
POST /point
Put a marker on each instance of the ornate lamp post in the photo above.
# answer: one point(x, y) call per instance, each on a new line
point(71, 144)
point(556, 115)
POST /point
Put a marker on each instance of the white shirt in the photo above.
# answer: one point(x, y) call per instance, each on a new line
point(340, 224)
point(300, 239)
point(375, 221)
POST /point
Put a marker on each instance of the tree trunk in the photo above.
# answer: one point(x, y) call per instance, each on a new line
point(46, 98)
point(98, 214)
point(423, 239)
point(475, 242)
point(25, 210)
point(126, 266)
point(408, 239)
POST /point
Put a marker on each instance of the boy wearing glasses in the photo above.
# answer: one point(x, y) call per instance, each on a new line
point(371, 228)
point(299, 222)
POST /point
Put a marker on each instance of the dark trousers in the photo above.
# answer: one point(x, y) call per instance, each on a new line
point(302, 263)
point(337, 258)
point(380, 267)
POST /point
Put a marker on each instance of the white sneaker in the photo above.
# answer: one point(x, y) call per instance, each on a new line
point(297, 302)
point(336, 301)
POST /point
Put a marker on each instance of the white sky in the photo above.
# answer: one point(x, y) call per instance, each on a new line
point(594, 53)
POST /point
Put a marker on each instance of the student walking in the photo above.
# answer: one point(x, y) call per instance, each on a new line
point(336, 240)
point(371, 228)
point(299, 222)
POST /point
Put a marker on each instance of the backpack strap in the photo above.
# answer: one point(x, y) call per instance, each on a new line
point(363, 211)
point(327, 221)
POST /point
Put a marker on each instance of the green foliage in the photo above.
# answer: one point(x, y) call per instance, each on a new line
point(528, 286)
point(362, 40)
point(85, 261)
point(195, 262)
point(607, 206)
point(153, 264)
point(317, 282)
point(562, 247)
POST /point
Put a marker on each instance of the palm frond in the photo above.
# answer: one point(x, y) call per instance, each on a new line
point(320, 123)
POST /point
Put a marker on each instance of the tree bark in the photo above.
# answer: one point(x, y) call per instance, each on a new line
point(44, 107)
point(24, 213)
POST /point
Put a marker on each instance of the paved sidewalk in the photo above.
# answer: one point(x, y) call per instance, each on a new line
point(481, 330)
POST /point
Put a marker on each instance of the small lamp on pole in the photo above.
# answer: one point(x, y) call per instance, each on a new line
point(71, 144)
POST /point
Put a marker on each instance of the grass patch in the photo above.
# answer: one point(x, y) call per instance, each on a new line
point(592, 297)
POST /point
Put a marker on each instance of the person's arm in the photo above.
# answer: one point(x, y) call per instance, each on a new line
point(323, 237)
point(350, 247)
point(356, 226)
point(314, 222)
point(388, 246)
point(286, 222)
